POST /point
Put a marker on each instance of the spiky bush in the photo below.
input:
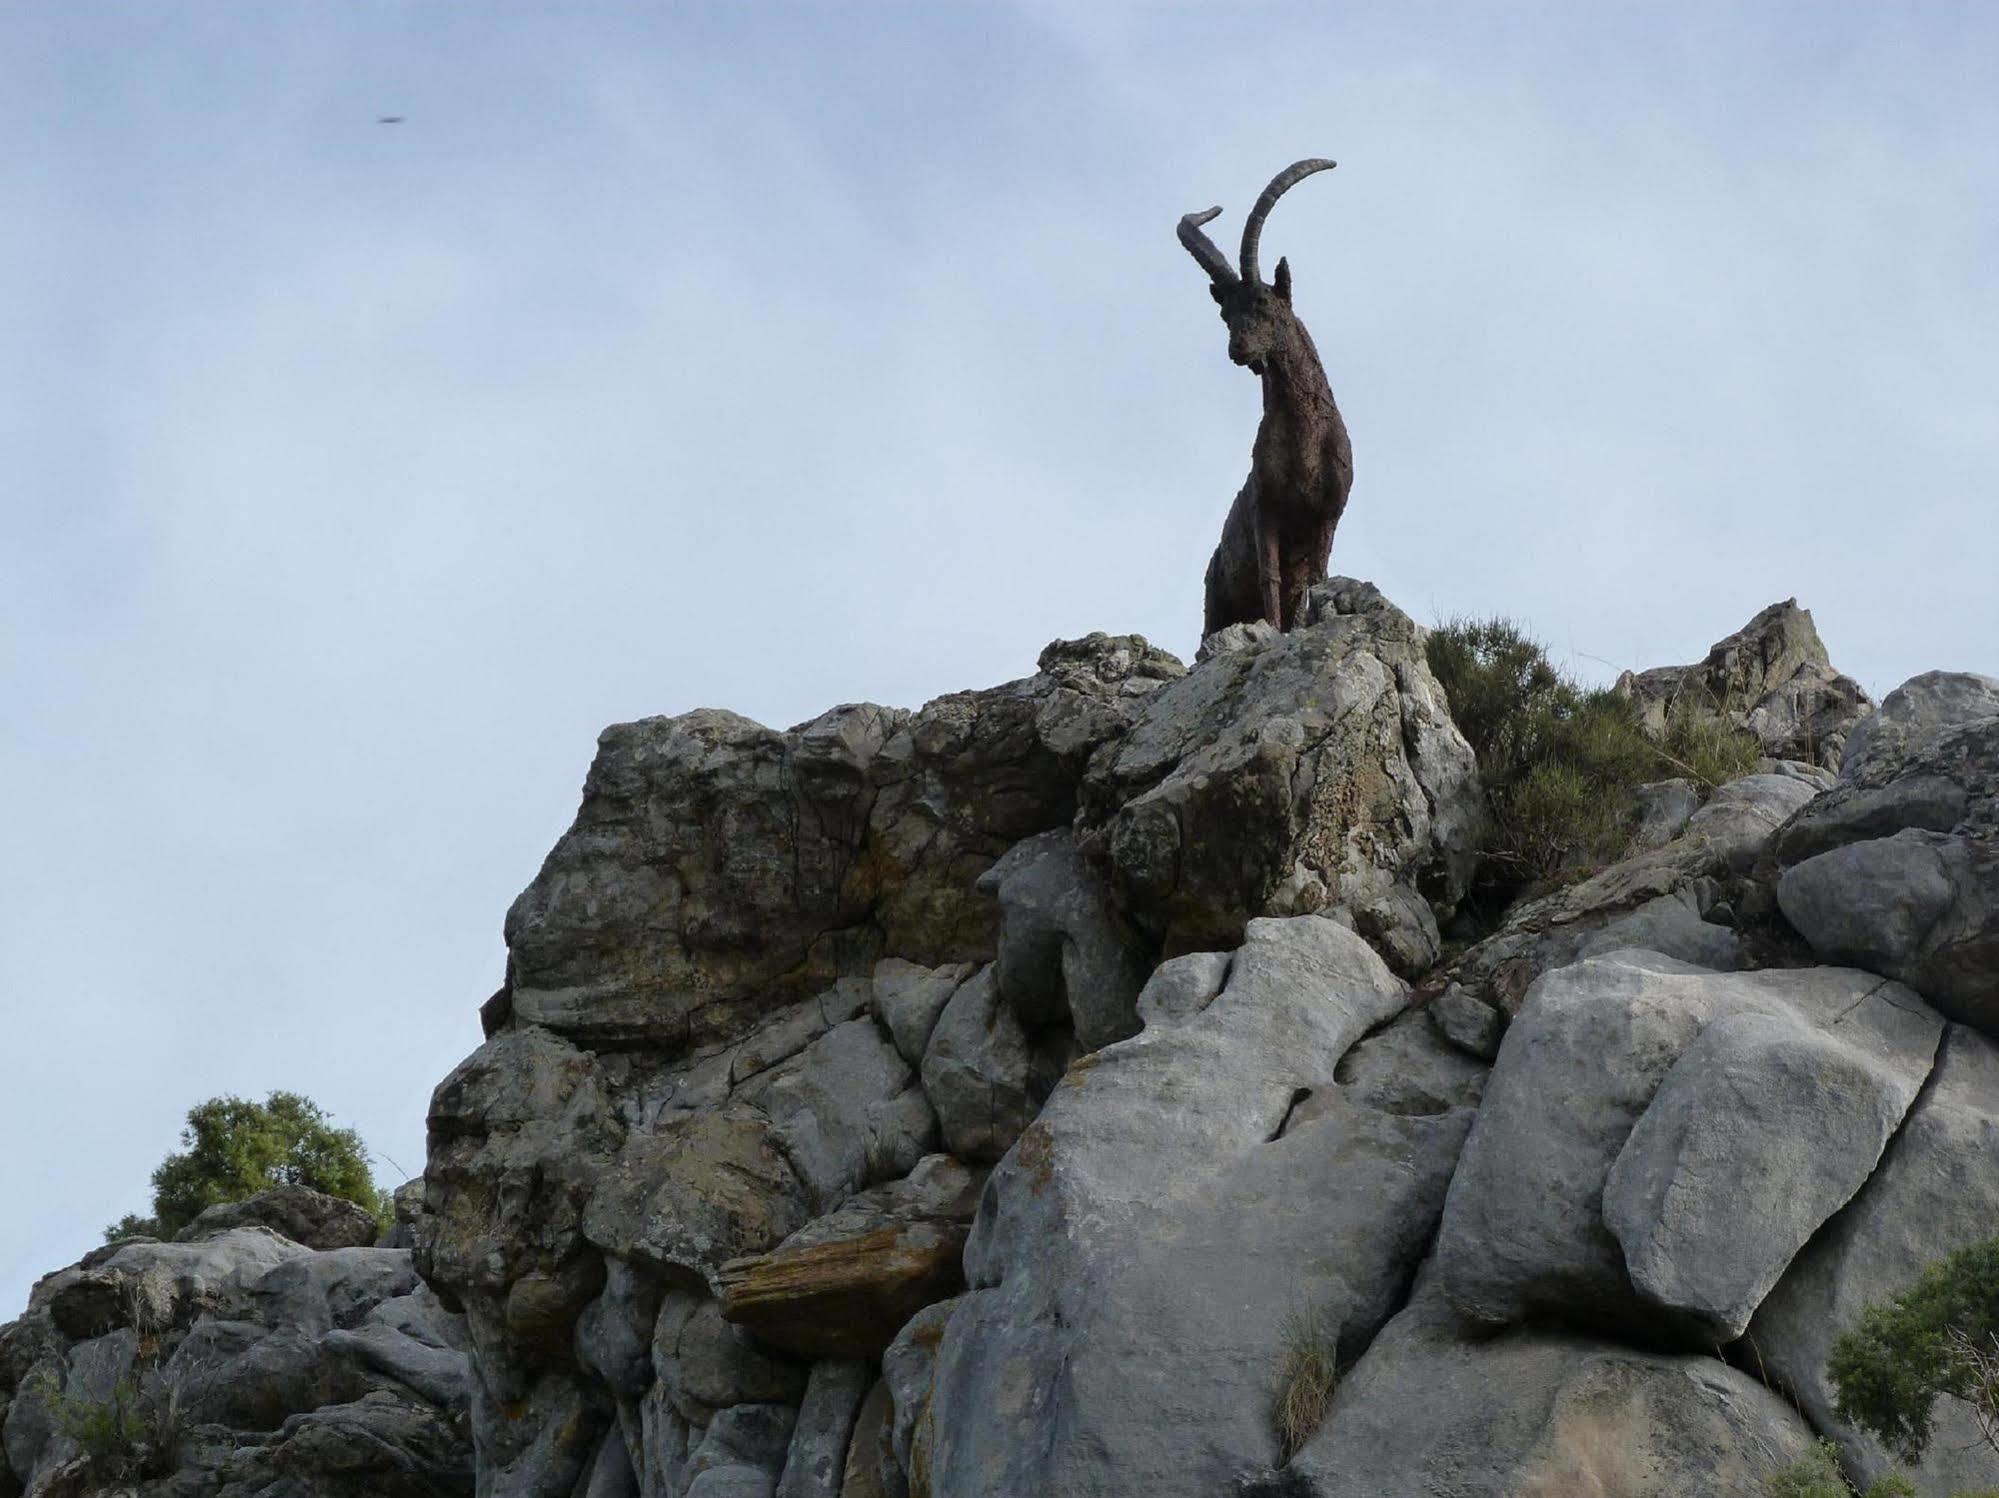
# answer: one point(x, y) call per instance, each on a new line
point(1561, 762)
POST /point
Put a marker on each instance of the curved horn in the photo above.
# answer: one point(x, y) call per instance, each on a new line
point(1283, 182)
point(1202, 248)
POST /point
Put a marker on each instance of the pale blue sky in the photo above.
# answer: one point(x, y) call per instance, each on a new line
point(767, 357)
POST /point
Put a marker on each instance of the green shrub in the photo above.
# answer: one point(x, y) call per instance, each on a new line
point(113, 1433)
point(1561, 762)
point(235, 1148)
point(1817, 1475)
point(1307, 1380)
point(1940, 1336)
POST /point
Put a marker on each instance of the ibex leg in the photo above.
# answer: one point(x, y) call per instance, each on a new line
point(1270, 573)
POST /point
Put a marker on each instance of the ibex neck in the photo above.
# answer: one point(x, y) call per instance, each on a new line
point(1293, 378)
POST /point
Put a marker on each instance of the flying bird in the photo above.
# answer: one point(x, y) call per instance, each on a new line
point(388, 119)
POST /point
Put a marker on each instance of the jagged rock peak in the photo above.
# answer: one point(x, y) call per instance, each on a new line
point(1771, 678)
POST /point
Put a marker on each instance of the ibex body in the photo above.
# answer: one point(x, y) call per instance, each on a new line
point(1279, 533)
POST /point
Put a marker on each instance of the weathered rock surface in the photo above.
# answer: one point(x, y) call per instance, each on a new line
point(286, 1370)
point(1661, 899)
point(299, 1213)
point(1936, 1191)
point(844, 1285)
point(1065, 955)
point(1432, 1409)
point(1636, 1104)
point(1771, 678)
point(1896, 869)
point(1300, 771)
point(1122, 1330)
point(708, 1215)
point(717, 866)
point(981, 1073)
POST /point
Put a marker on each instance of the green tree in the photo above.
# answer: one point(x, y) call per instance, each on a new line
point(233, 1148)
point(1940, 1336)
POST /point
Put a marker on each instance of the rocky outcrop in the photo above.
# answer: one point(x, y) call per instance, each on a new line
point(845, 1284)
point(1897, 868)
point(297, 1213)
point(718, 869)
point(1433, 1409)
point(1294, 773)
point(1772, 679)
point(1122, 1332)
point(1026, 1094)
point(1935, 1192)
point(1680, 898)
point(237, 1363)
point(777, 1000)
point(1637, 1103)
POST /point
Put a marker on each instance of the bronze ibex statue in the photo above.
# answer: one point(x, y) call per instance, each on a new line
point(1279, 534)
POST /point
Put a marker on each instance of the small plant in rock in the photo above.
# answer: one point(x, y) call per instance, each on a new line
point(1940, 1336)
point(1307, 1379)
point(115, 1433)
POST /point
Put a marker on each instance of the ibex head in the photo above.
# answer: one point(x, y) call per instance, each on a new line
point(1259, 316)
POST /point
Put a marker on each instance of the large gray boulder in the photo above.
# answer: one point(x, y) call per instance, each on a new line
point(156, 1285)
point(981, 1072)
point(815, 1462)
point(844, 1284)
point(1936, 1191)
point(379, 1446)
point(1896, 869)
point(718, 867)
point(1066, 956)
point(236, 1363)
point(1302, 771)
point(1124, 1327)
point(305, 1216)
point(1638, 1106)
point(1772, 679)
point(1434, 1409)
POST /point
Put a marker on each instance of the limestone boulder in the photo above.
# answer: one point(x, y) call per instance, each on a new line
point(1638, 1106)
point(315, 1293)
point(1181, 987)
point(1411, 1069)
point(908, 999)
point(1435, 1408)
point(1935, 1191)
point(1066, 954)
point(1896, 869)
point(1772, 678)
point(1303, 771)
point(156, 1286)
point(843, 1285)
point(379, 1446)
point(1123, 1331)
point(981, 1071)
point(718, 868)
point(307, 1217)
point(815, 1462)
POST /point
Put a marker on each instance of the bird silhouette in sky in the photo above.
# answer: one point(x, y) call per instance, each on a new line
point(388, 119)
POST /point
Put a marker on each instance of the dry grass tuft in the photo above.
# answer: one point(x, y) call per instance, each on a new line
point(1309, 1376)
